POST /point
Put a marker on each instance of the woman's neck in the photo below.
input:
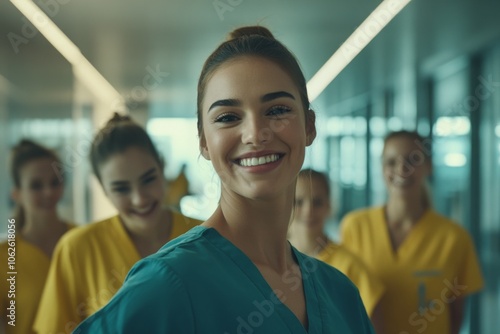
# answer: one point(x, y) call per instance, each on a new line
point(155, 232)
point(400, 210)
point(43, 231)
point(35, 225)
point(258, 227)
point(306, 241)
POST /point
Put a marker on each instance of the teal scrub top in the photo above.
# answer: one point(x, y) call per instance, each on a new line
point(201, 283)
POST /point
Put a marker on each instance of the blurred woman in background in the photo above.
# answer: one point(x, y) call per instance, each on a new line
point(306, 233)
point(91, 263)
point(38, 188)
point(427, 262)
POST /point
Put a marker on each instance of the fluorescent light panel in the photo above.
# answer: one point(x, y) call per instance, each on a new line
point(370, 28)
point(82, 68)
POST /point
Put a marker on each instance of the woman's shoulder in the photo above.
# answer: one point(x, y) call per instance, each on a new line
point(181, 222)
point(360, 216)
point(326, 275)
point(153, 295)
point(185, 252)
point(182, 243)
point(445, 225)
point(78, 236)
point(342, 257)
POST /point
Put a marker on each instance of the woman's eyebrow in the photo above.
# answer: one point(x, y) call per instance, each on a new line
point(225, 103)
point(275, 95)
point(119, 183)
point(265, 98)
point(148, 173)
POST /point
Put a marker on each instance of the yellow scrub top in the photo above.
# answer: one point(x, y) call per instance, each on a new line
point(434, 265)
point(370, 287)
point(31, 268)
point(89, 266)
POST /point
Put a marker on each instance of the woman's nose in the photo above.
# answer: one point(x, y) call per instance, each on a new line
point(256, 131)
point(138, 198)
point(403, 168)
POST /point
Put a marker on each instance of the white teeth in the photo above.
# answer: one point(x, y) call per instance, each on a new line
point(400, 182)
point(141, 212)
point(248, 162)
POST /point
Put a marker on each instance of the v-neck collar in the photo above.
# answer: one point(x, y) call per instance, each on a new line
point(133, 254)
point(402, 250)
point(243, 262)
point(35, 249)
point(25, 243)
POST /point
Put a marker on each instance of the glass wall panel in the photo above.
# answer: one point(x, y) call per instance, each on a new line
point(488, 93)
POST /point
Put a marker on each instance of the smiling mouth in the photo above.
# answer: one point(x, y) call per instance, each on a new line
point(401, 182)
point(258, 161)
point(145, 212)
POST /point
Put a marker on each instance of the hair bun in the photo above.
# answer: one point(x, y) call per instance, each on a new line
point(249, 31)
point(118, 118)
point(25, 145)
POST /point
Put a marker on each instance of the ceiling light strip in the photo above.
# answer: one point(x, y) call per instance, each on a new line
point(370, 28)
point(82, 68)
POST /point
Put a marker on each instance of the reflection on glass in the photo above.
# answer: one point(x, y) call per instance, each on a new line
point(377, 126)
point(395, 124)
point(347, 160)
point(452, 126)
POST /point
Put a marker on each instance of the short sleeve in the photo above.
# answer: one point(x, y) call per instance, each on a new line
point(153, 299)
point(469, 273)
point(370, 287)
point(58, 311)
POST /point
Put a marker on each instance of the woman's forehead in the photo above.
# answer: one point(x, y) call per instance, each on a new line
point(40, 167)
point(247, 77)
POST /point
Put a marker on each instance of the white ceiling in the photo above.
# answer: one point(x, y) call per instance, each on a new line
point(121, 38)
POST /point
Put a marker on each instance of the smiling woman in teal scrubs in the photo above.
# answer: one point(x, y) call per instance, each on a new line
point(237, 273)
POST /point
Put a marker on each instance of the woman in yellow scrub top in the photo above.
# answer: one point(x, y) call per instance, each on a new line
point(306, 233)
point(427, 262)
point(32, 234)
point(91, 262)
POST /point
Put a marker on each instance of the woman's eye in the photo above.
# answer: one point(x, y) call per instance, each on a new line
point(149, 179)
point(36, 186)
point(279, 110)
point(390, 163)
point(225, 118)
point(317, 203)
point(120, 190)
point(55, 183)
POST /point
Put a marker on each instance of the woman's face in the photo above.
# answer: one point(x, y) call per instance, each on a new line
point(254, 128)
point(312, 203)
point(40, 187)
point(134, 183)
point(405, 166)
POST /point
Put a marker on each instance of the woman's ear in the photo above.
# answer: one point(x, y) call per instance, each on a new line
point(204, 148)
point(310, 127)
